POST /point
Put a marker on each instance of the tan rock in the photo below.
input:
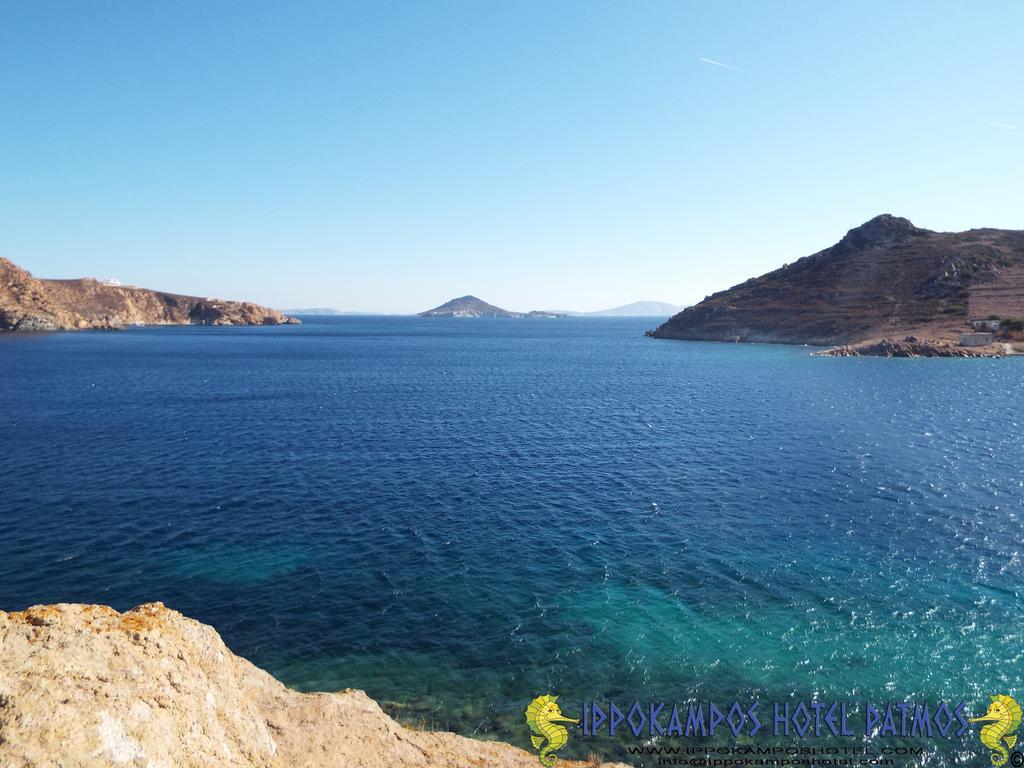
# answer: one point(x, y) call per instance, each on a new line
point(84, 685)
point(28, 303)
point(911, 346)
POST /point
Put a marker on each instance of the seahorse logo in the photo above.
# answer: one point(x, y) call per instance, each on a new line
point(543, 715)
point(1003, 720)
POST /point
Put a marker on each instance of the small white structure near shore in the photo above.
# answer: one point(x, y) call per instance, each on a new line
point(112, 281)
point(975, 339)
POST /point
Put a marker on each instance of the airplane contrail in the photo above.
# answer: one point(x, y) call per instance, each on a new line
point(717, 63)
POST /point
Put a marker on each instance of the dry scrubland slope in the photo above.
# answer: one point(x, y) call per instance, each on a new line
point(885, 278)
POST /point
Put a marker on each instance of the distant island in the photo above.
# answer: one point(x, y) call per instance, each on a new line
point(313, 311)
point(28, 303)
point(330, 311)
point(471, 306)
point(887, 288)
point(636, 309)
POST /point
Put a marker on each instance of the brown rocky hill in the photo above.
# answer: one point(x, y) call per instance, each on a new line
point(468, 306)
point(86, 686)
point(886, 278)
point(471, 306)
point(28, 303)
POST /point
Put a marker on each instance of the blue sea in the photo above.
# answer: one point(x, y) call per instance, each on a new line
point(459, 515)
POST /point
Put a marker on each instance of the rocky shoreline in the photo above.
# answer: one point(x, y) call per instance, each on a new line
point(911, 346)
point(87, 686)
point(28, 303)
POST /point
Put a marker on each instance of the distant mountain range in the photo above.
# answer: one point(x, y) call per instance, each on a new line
point(636, 309)
point(884, 279)
point(471, 306)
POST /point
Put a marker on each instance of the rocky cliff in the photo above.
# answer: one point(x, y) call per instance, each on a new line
point(885, 278)
point(86, 686)
point(28, 303)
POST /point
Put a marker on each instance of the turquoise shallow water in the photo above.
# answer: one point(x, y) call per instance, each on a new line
point(459, 515)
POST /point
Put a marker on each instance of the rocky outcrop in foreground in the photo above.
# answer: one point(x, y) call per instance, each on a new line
point(912, 347)
point(86, 686)
point(28, 303)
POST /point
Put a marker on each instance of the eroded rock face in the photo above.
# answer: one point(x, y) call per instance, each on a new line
point(31, 304)
point(84, 685)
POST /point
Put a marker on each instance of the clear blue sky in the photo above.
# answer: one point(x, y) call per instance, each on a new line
point(387, 156)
